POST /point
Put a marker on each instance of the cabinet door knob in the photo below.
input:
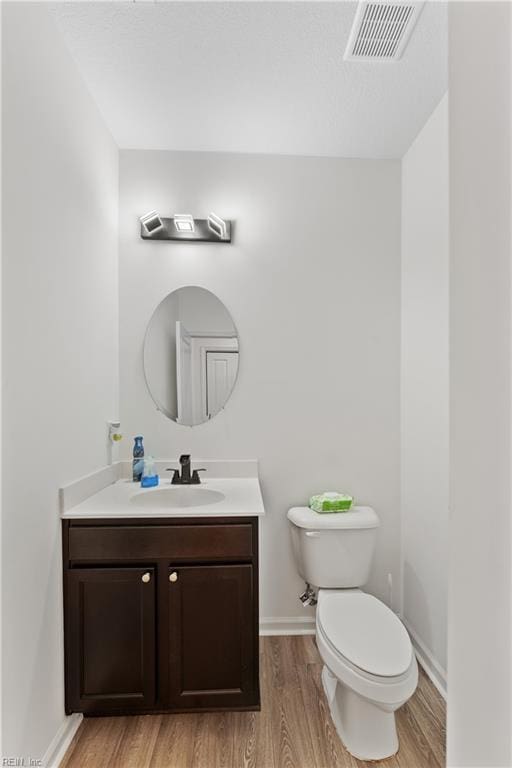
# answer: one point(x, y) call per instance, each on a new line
point(173, 577)
point(146, 577)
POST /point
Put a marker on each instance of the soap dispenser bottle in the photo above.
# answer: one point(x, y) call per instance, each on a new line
point(138, 459)
point(149, 477)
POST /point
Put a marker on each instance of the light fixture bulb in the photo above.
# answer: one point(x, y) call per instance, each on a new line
point(151, 222)
point(217, 225)
point(184, 222)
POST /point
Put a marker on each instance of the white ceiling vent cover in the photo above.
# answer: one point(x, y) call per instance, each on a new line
point(381, 30)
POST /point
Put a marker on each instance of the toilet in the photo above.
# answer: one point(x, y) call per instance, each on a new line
point(370, 669)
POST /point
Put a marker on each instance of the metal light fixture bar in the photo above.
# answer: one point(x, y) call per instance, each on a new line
point(173, 229)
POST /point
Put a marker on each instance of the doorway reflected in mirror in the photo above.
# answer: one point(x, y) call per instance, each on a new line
point(191, 355)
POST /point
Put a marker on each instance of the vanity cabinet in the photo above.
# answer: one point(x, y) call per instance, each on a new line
point(161, 615)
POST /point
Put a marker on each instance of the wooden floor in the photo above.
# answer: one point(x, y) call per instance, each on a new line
point(293, 729)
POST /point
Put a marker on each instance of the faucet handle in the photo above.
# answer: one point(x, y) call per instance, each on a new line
point(195, 475)
point(176, 479)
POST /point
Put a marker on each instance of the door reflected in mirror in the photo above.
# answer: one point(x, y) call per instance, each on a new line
point(191, 355)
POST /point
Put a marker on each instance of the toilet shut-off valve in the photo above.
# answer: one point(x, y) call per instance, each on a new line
point(308, 597)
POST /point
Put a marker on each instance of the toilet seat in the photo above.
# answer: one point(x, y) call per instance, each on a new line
point(365, 632)
point(333, 612)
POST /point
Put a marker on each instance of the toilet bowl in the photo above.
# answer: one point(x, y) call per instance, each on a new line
point(370, 669)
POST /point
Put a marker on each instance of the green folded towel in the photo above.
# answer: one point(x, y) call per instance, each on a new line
point(330, 502)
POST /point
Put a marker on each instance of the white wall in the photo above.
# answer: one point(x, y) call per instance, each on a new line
point(479, 637)
point(312, 281)
point(425, 388)
point(60, 350)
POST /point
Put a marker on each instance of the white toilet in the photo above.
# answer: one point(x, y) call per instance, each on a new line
point(369, 666)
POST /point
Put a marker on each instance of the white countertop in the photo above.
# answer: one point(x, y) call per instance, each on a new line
point(242, 498)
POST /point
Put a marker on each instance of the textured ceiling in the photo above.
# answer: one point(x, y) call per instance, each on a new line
point(252, 76)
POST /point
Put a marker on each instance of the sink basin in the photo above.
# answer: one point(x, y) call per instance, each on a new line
point(174, 498)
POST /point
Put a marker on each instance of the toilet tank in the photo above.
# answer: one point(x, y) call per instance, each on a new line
point(334, 551)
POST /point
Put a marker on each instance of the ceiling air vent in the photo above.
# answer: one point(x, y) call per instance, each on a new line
point(381, 30)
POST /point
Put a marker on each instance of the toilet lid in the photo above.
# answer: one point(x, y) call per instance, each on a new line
point(357, 517)
point(365, 632)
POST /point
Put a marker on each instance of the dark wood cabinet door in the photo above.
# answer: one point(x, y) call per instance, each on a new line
point(212, 641)
point(110, 639)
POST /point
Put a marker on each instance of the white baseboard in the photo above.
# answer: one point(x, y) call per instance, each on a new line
point(287, 625)
point(433, 669)
point(61, 741)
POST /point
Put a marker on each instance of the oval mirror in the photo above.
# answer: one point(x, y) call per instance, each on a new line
point(190, 355)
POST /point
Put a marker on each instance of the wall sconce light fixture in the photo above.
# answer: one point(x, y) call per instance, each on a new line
point(183, 227)
point(151, 222)
point(184, 222)
point(217, 225)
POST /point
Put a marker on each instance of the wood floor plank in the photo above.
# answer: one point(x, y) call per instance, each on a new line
point(281, 653)
point(99, 739)
point(138, 742)
point(78, 738)
point(327, 746)
point(213, 746)
point(251, 734)
point(414, 749)
point(290, 736)
point(431, 727)
point(304, 650)
point(293, 730)
point(174, 744)
point(432, 698)
point(291, 742)
point(252, 743)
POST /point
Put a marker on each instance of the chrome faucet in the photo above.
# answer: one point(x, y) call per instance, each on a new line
point(185, 478)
